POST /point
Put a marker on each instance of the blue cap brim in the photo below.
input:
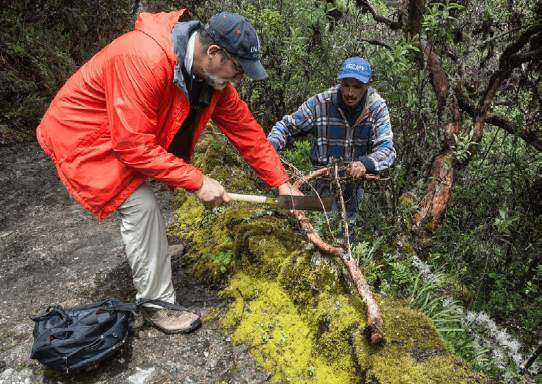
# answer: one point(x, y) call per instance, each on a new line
point(253, 68)
point(363, 79)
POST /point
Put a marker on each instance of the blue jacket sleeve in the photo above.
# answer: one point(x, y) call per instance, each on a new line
point(383, 153)
point(300, 121)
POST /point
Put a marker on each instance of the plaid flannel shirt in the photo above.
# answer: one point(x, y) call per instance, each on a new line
point(370, 140)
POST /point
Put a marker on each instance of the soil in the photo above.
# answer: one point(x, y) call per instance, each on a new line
point(54, 252)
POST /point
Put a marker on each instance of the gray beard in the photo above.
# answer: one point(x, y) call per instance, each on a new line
point(215, 82)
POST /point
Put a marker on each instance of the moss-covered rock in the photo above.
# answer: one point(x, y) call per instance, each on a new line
point(304, 323)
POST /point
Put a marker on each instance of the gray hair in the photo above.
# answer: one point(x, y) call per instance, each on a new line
point(206, 41)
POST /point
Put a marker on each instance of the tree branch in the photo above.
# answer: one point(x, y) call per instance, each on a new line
point(377, 42)
point(507, 62)
point(366, 4)
point(529, 135)
point(375, 324)
point(519, 59)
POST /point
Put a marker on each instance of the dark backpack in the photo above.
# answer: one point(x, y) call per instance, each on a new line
point(80, 338)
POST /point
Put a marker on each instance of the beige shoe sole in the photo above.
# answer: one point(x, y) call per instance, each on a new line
point(176, 250)
point(168, 324)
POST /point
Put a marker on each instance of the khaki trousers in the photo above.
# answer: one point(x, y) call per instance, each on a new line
point(143, 231)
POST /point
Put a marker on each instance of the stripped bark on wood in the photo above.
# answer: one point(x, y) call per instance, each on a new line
point(375, 324)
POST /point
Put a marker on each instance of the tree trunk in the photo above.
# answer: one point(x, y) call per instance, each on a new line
point(524, 49)
point(439, 195)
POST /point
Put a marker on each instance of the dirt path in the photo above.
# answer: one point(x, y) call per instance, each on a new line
point(52, 251)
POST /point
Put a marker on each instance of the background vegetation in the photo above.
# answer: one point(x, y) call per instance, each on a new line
point(462, 80)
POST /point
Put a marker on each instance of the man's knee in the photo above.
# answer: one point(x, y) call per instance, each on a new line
point(141, 205)
point(147, 200)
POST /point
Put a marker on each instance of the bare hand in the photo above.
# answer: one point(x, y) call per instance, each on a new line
point(356, 170)
point(212, 191)
point(289, 189)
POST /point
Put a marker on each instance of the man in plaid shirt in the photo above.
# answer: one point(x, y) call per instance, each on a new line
point(349, 121)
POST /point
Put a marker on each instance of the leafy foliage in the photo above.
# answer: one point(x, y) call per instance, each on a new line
point(41, 45)
point(298, 155)
point(493, 247)
point(489, 239)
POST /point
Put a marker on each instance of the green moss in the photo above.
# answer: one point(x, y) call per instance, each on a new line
point(221, 161)
point(401, 368)
point(409, 327)
point(303, 323)
point(282, 339)
point(414, 353)
point(407, 248)
point(408, 200)
point(430, 227)
point(192, 215)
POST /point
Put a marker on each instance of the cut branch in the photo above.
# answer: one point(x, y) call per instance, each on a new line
point(375, 324)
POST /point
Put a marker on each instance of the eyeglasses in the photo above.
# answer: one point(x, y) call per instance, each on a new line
point(237, 65)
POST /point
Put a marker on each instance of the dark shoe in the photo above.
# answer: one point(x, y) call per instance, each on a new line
point(171, 320)
point(352, 237)
point(342, 241)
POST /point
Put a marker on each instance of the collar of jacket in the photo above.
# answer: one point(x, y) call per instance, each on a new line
point(179, 37)
point(372, 99)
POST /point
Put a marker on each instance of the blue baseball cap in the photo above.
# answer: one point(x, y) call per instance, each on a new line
point(236, 35)
point(356, 68)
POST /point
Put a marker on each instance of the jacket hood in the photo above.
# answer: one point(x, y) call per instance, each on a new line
point(180, 35)
point(159, 26)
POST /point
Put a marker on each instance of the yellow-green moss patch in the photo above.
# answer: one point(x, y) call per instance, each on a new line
point(283, 340)
point(303, 322)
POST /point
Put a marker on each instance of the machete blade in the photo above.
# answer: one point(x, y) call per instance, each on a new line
point(305, 203)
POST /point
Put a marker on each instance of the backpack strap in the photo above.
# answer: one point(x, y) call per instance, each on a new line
point(124, 307)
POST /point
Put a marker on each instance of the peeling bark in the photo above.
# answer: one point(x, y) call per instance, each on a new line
point(437, 77)
point(437, 199)
point(413, 26)
point(410, 17)
point(439, 195)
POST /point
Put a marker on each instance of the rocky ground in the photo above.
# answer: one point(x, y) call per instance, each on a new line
point(53, 252)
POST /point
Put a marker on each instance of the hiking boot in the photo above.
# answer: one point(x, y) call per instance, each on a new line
point(176, 250)
point(171, 320)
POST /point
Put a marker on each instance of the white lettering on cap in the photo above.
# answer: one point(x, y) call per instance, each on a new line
point(355, 67)
point(255, 50)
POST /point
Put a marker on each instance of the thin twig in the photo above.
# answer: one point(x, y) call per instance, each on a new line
point(375, 323)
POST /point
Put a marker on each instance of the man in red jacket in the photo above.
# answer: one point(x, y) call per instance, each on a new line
point(136, 110)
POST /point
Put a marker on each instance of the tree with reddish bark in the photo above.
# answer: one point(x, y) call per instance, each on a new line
point(512, 60)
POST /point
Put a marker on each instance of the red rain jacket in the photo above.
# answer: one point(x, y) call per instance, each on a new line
point(110, 125)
